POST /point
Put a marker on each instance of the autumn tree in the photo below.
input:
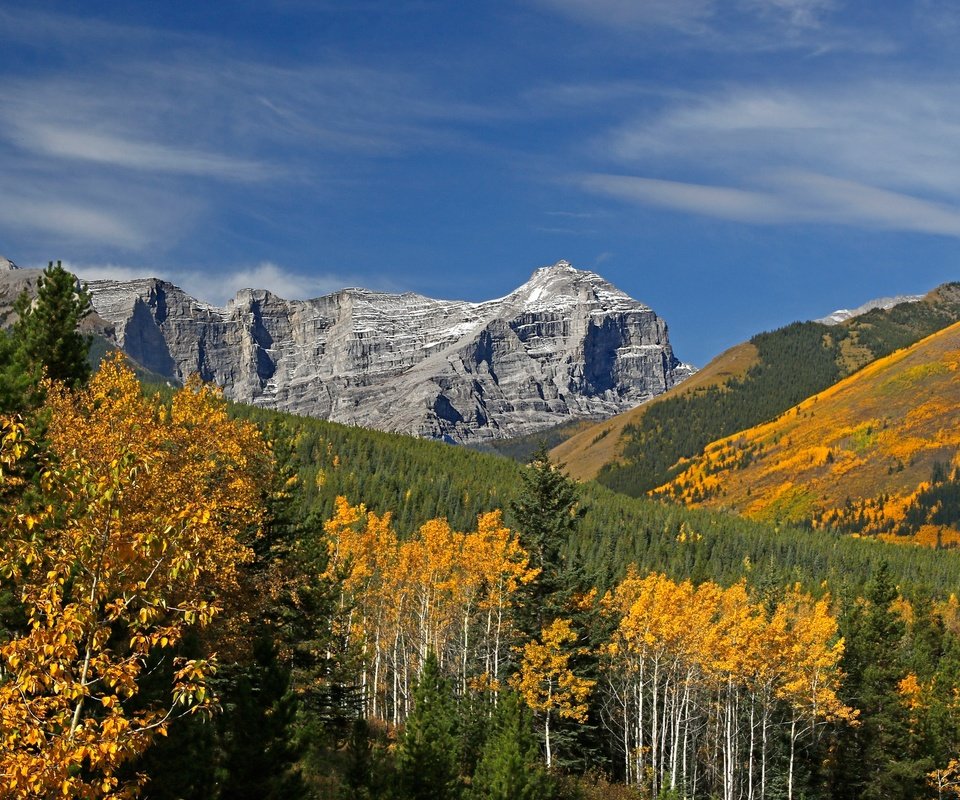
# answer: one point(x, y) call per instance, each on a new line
point(548, 684)
point(145, 516)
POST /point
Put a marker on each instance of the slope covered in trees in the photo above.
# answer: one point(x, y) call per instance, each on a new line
point(791, 364)
point(876, 453)
point(418, 480)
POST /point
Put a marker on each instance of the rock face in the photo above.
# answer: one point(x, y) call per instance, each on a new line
point(564, 345)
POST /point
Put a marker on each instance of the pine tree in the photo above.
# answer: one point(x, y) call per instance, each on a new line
point(428, 753)
point(260, 760)
point(546, 513)
point(45, 341)
point(509, 767)
point(876, 760)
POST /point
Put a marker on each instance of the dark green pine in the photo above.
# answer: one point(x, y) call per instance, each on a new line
point(428, 755)
point(45, 341)
point(546, 513)
point(510, 767)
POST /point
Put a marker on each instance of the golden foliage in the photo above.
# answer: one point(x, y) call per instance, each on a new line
point(441, 590)
point(872, 437)
point(144, 514)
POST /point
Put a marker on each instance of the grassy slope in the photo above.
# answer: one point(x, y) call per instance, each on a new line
point(876, 433)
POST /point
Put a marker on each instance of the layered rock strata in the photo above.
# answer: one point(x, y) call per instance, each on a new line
point(566, 344)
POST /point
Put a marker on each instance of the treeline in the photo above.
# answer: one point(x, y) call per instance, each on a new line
point(793, 363)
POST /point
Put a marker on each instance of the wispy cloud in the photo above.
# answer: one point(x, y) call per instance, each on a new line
point(159, 120)
point(789, 198)
point(104, 148)
point(71, 220)
point(729, 25)
point(685, 15)
point(897, 134)
point(871, 154)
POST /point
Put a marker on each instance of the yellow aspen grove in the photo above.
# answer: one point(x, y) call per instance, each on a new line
point(699, 679)
point(496, 566)
point(141, 526)
point(812, 679)
point(441, 590)
point(546, 682)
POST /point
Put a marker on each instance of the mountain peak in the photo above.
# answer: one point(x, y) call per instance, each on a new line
point(562, 285)
point(565, 345)
point(6, 265)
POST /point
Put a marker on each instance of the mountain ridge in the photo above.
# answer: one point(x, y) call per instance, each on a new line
point(856, 455)
point(564, 345)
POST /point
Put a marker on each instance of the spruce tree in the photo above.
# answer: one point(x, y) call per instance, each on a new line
point(47, 329)
point(260, 761)
point(546, 513)
point(428, 754)
point(44, 341)
point(876, 760)
point(509, 767)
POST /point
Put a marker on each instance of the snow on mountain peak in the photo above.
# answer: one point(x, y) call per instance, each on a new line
point(562, 285)
point(843, 314)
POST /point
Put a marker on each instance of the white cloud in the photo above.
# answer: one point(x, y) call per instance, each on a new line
point(74, 221)
point(119, 151)
point(634, 15)
point(134, 137)
point(717, 201)
point(898, 134)
point(729, 25)
point(799, 13)
point(868, 153)
point(218, 287)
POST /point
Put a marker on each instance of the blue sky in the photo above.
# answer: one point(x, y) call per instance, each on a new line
point(736, 164)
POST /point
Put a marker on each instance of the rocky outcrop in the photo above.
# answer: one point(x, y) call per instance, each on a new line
point(564, 345)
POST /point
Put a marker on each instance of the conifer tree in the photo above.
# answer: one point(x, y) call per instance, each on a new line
point(875, 762)
point(45, 341)
point(546, 513)
point(509, 767)
point(260, 756)
point(428, 753)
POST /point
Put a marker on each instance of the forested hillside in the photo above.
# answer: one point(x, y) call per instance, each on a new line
point(876, 453)
point(793, 363)
point(417, 480)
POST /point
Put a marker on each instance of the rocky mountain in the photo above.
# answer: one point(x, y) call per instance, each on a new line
point(565, 345)
point(843, 314)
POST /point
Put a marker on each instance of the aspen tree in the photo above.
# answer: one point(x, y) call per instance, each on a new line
point(143, 521)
